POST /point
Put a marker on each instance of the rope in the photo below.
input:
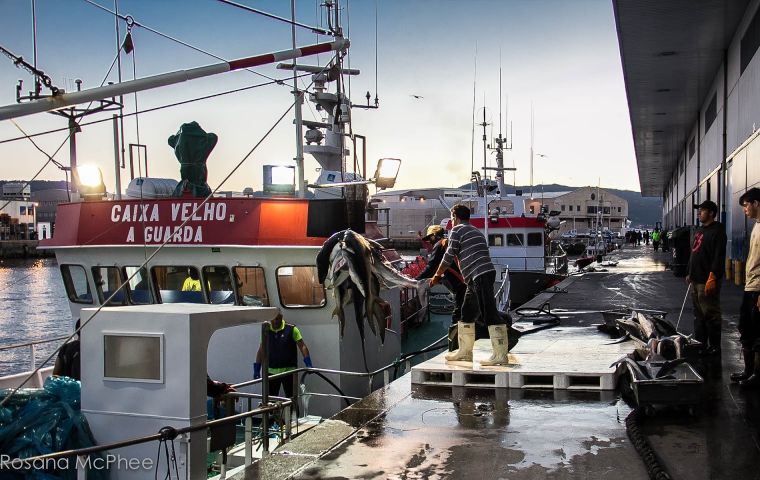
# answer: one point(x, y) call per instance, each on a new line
point(654, 466)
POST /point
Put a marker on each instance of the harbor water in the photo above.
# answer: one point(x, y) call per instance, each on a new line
point(34, 307)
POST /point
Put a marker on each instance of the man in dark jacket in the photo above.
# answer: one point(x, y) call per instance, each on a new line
point(453, 278)
point(706, 267)
point(68, 363)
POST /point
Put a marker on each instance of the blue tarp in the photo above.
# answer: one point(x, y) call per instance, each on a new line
point(41, 421)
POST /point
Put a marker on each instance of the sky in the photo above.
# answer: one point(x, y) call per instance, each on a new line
point(559, 58)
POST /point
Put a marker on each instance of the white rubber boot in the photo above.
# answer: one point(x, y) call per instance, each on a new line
point(500, 355)
point(466, 339)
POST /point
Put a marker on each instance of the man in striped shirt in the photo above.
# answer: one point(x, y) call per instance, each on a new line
point(468, 246)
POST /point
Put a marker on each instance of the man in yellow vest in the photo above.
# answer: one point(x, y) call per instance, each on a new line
point(284, 339)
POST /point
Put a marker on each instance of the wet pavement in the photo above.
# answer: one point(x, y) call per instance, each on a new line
point(409, 432)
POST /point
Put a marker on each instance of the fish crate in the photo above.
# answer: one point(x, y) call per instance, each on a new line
point(683, 388)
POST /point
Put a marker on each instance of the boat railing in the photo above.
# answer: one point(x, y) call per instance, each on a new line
point(410, 308)
point(556, 264)
point(32, 346)
point(502, 293)
point(216, 427)
point(84, 459)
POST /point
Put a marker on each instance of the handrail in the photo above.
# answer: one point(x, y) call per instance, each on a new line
point(34, 342)
point(148, 438)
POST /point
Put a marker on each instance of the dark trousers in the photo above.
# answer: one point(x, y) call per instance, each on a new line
point(459, 292)
point(479, 300)
point(749, 322)
point(286, 382)
point(707, 321)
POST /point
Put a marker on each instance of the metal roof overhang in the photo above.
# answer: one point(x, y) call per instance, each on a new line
point(670, 52)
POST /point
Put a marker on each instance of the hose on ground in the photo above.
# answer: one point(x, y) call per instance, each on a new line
point(655, 469)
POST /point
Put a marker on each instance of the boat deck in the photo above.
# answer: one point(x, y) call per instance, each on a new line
point(420, 431)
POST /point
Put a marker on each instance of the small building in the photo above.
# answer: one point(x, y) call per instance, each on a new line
point(580, 208)
point(47, 203)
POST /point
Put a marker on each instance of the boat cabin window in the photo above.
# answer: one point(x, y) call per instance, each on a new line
point(515, 240)
point(219, 285)
point(251, 286)
point(75, 281)
point(535, 239)
point(139, 286)
point(178, 284)
point(107, 281)
point(472, 205)
point(502, 207)
point(299, 287)
point(495, 240)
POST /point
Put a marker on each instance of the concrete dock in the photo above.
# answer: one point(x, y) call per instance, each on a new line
point(420, 431)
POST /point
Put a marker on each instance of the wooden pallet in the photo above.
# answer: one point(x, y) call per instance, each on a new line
point(568, 358)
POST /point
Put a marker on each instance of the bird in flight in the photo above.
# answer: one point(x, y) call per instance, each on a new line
point(418, 97)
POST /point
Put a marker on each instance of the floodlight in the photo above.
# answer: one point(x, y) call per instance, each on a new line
point(386, 173)
point(280, 179)
point(89, 181)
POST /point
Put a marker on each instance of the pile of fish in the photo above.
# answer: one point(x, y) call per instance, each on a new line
point(356, 270)
point(650, 370)
point(655, 336)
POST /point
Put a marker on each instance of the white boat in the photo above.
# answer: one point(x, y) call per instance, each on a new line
point(251, 252)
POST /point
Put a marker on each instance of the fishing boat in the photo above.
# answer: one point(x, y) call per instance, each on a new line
point(138, 249)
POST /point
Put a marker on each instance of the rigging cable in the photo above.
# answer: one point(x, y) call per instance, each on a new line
point(155, 252)
point(318, 31)
point(472, 141)
point(127, 19)
point(348, 34)
point(118, 70)
point(376, 48)
point(137, 116)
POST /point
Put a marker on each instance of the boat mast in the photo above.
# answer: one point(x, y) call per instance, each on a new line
point(484, 124)
point(298, 94)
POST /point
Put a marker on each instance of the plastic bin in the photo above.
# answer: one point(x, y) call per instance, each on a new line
point(685, 389)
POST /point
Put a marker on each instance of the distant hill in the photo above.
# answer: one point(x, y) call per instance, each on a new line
point(641, 210)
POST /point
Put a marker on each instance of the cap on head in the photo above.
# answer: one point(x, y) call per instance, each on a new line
point(433, 230)
point(708, 205)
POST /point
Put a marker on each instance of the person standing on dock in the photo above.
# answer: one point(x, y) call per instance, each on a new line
point(656, 239)
point(706, 267)
point(468, 246)
point(749, 313)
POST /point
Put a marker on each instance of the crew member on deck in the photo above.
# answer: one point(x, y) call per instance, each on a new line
point(454, 280)
point(192, 282)
point(68, 363)
point(284, 338)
